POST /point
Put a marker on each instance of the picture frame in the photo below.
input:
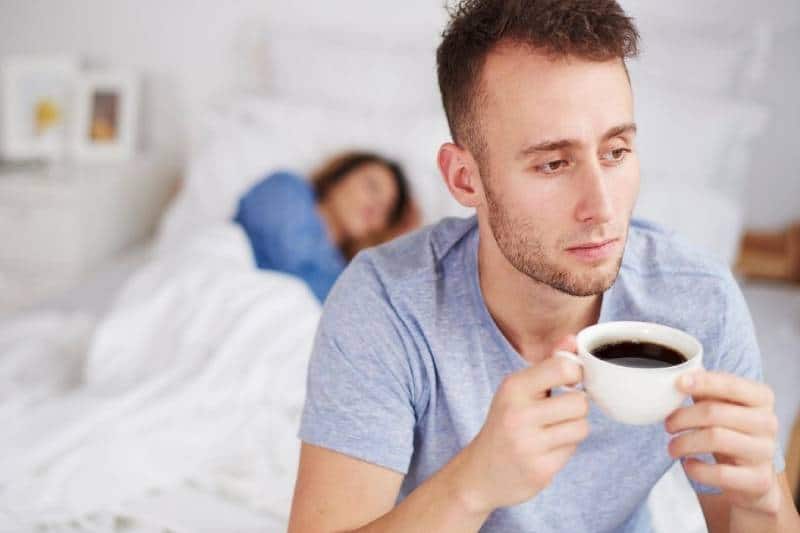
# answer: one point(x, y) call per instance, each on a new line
point(36, 97)
point(106, 106)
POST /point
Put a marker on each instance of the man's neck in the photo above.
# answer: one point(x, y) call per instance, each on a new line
point(533, 316)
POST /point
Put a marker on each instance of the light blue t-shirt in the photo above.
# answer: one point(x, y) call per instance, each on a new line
point(407, 360)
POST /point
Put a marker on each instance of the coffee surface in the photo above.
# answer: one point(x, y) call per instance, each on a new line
point(639, 354)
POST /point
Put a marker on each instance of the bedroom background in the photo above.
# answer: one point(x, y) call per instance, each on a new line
point(231, 90)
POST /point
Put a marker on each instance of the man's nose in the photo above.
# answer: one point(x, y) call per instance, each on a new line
point(594, 205)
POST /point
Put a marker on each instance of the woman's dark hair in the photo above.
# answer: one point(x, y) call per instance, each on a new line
point(336, 169)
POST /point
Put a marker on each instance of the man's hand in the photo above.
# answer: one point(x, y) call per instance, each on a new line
point(527, 436)
point(734, 419)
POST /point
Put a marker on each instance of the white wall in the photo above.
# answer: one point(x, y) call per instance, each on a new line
point(185, 49)
point(193, 52)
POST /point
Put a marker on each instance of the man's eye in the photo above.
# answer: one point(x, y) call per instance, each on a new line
point(616, 155)
point(552, 166)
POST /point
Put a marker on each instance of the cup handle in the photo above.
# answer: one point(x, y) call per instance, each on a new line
point(575, 359)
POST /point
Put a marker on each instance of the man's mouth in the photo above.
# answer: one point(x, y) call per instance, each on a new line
point(594, 251)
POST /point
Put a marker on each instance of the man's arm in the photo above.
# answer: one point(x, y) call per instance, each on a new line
point(722, 516)
point(335, 492)
point(526, 439)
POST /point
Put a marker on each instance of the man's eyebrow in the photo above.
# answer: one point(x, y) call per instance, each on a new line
point(550, 146)
point(628, 127)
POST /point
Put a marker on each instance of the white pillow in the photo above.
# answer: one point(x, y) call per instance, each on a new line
point(706, 218)
point(684, 138)
point(688, 137)
point(253, 136)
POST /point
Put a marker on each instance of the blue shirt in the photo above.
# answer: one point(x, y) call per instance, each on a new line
point(407, 360)
point(279, 215)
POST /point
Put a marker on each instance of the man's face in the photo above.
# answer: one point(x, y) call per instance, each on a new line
point(559, 172)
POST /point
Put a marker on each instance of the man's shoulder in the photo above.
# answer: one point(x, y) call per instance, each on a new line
point(418, 256)
point(653, 252)
point(664, 278)
point(404, 268)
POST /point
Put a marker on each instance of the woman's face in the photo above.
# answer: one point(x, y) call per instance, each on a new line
point(362, 201)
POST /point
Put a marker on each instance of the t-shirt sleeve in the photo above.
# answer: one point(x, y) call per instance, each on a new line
point(737, 352)
point(359, 397)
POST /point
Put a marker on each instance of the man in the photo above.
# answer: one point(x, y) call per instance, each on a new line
point(433, 401)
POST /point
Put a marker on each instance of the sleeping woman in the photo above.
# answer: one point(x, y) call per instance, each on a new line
point(311, 228)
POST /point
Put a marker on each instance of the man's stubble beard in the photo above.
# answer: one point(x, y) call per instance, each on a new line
point(521, 244)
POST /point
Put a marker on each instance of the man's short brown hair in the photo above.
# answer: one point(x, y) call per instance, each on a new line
point(597, 30)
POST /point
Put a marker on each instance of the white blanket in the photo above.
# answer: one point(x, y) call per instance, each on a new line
point(195, 377)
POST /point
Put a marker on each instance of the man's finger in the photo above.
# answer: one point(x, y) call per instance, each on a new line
point(566, 433)
point(562, 454)
point(535, 381)
point(561, 408)
point(727, 387)
point(709, 413)
point(738, 478)
point(743, 448)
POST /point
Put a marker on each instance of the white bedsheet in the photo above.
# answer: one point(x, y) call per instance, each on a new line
point(195, 378)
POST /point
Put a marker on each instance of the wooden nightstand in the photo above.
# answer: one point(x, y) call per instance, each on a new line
point(60, 222)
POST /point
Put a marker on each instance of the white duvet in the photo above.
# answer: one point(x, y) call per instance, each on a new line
point(195, 378)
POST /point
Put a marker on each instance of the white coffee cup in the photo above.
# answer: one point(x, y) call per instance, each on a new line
point(629, 394)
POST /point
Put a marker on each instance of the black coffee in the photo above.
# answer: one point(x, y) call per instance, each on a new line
point(639, 354)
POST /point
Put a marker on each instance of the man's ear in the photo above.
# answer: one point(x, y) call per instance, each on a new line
point(460, 173)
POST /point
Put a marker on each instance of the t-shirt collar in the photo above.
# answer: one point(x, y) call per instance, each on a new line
point(485, 318)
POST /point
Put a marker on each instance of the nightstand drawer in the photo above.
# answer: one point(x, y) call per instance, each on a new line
point(24, 288)
point(33, 236)
point(60, 223)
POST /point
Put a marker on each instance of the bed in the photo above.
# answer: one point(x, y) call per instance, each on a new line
point(161, 406)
